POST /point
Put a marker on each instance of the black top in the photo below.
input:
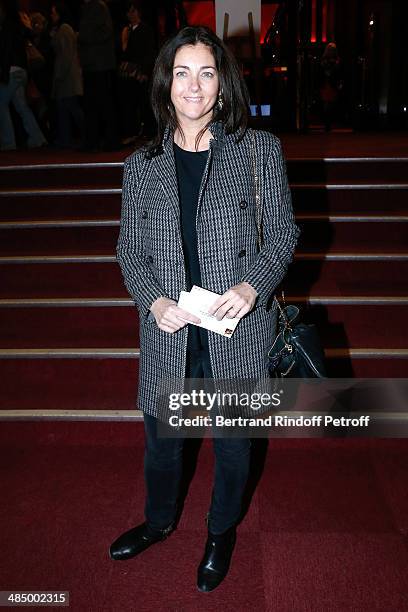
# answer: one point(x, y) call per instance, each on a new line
point(190, 167)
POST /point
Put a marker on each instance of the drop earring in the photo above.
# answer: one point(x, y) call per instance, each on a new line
point(220, 101)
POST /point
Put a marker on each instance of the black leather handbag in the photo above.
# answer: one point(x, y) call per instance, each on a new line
point(296, 351)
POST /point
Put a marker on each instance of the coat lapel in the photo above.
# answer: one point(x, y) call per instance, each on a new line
point(216, 144)
point(165, 167)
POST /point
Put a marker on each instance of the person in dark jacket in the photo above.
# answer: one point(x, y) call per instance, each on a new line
point(137, 59)
point(97, 56)
point(13, 81)
point(67, 78)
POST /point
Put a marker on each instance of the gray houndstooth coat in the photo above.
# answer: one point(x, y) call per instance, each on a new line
point(150, 254)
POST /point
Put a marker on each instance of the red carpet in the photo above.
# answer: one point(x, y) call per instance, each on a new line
point(326, 529)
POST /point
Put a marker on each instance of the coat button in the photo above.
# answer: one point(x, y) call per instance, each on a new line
point(242, 253)
point(150, 258)
point(144, 214)
point(243, 204)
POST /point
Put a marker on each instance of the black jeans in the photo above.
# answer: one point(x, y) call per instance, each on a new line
point(163, 468)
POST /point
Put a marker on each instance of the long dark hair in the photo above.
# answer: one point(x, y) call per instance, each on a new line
point(234, 111)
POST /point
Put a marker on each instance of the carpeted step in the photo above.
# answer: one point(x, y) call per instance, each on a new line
point(342, 145)
point(62, 175)
point(340, 326)
point(52, 155)
point(348, 170)
point(330, 200)
point(347, 278)
point(104, 280)
point(95, 202)
point(340, 237)
point(317, 236)
point(360, 325)
point(316, 170)
point(103, 383)
point(69, 327)
point(381, 366)
point(59, 241)
point(76, 383)
point(62, 280)
point(104, 205)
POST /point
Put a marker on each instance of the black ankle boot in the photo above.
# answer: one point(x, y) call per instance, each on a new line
point(217, 556)
point(136, 540)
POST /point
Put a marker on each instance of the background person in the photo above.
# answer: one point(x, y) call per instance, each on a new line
point(331, 83)
point(98, 61)
point(188, 217)
point(67, 79)
point(13, 80)
point(41, 74)
point(138, 52)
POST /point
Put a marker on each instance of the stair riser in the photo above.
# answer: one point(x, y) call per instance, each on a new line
point(320, 171)
point(344, 278)
point(353, 326)
point(104, 280)
point(367, 368)
point(97, 384)
point(69, 327)
point(350, 201)
point(82, 176)
point(99, 206)
point(356, 326)
point(332, 237)
point(44, 208)
point(316, 236)
point(111, 384)
point(298, 171)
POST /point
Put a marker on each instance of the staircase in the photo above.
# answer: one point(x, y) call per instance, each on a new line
point(69, 331)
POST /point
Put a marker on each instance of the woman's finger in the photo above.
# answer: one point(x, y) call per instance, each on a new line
point(174, 325)
point(233, 312)
point(221, 312)
point(167, 329)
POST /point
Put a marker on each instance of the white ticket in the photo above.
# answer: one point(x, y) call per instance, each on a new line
point(197, 302)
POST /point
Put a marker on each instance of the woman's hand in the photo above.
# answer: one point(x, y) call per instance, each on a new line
point(236, 302)
point(170, 317)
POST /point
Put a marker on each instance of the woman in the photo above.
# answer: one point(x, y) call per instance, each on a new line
point(199, 170)
point(67, 78)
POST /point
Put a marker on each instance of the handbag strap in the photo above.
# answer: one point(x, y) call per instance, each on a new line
point(256, 187)
point(259, 216)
